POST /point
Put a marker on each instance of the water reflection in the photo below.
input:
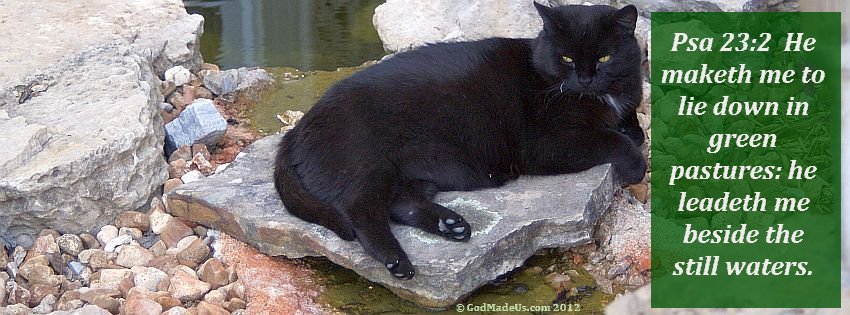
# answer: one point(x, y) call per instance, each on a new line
point(305, 34)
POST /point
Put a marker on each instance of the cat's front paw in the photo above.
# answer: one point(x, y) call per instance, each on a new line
point(455, 228)
point(401, 269)
point(631, 168)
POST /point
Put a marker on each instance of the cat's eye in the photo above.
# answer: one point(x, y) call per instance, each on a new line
point(567, 59)
point(604, 58)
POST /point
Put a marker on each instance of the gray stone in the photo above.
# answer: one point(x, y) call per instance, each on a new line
point(406, 24)
point(235, 80)
point(84, 142)
point(198, 123)
point(509, 225)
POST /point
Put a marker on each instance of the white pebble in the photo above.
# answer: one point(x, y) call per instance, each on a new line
point(178, 75)
point(191, 176)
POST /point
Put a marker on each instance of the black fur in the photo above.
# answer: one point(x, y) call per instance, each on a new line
point(463, 116)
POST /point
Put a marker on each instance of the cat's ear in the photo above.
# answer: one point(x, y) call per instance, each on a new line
point(549, 20)
point(626, 18)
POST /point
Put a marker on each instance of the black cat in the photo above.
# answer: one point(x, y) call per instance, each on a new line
point(379, 145)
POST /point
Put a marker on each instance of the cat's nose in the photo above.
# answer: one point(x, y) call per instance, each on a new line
point(585, 81)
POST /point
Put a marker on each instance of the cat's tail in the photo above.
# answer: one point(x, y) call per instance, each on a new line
point(299, 202)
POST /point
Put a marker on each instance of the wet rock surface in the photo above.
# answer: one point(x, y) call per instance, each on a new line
point(509, 225)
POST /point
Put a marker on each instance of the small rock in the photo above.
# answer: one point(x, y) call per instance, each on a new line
point(179, 75)
point(177, 168)
point(70, 244)
point(142, 306)
point(17, 294)
point(149, 279)
point(110, 304)
point(17, 309)
point(100, 259)
point(166, 107)
point(215, 297)
point(133, 219)
point(214, 273)
point(90, 310)
point(4, 258)
point(107, 233)
point(90, 241)
point(158, 248)
point(201, 149)
point(200, 231)
point(168, 302)
point(556, 280)
point(44, 244)
point(202, 164)
point(177, 310)
point(210, 66)
point(76, 267)
point(174, 231)
point(235, 304)
point(111, 278)
point(194, 254)
point(3, 293)
point(211, 309)
point(618, 269)
point(133, 255)
point(185, 242)
point(290, 117)
point(640, 191)
point(202, 92)
point(199, 123)
point(89, 295)
point(69, 301)
point(165, 262)
point(134, 233)
point(183, 152)
point(122, 239)
point(170, 185)
point(46, 305)
point(167, 87)
point(192, 176)
point(233, 80)
point(185, 287)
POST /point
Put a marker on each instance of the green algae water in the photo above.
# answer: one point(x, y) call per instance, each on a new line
point(349, 293)
point(302, 34)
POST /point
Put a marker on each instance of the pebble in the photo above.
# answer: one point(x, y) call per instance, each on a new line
point(113, 244)
point(183, 152)
point(618, 269)
point(111, 278)
point(166, 107)
point(107, 233)
point(90, 241)
point(44, 244)
point(203, 165)
point(178, 74)
point(70, 244)
point(178, 310)
point(171, 184)
point(17, 309)
point(46, 305)
point(167, 88)
point(211, 309)
point(213, 272)
point(215, 297)
point(142, 306)
point(24, 240)
point(149, 278)
point(202, 92)
point(186, 287)
point(192, 176)
point(133, 255)
point(236, 304)
point(133, 219)
point(174, 231)
point(194, 254)
point(177, 168)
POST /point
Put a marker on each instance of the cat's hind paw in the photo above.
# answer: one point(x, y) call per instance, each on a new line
point(401, 269)
point(455, 228)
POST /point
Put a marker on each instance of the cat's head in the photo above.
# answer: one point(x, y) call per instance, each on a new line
point(589, 50)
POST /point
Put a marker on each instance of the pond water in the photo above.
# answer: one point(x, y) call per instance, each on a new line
point(308, 46)
point(303, 34)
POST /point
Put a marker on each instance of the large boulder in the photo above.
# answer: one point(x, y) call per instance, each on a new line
point(509, 225)
point(405, 24)
point(79, 107)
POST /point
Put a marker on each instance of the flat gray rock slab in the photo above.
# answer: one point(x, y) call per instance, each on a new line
point(509, 225)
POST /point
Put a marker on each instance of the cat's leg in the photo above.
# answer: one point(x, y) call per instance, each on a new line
point(574, 150)
point(413, 208)
point(370, 221)
point(631, 127)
